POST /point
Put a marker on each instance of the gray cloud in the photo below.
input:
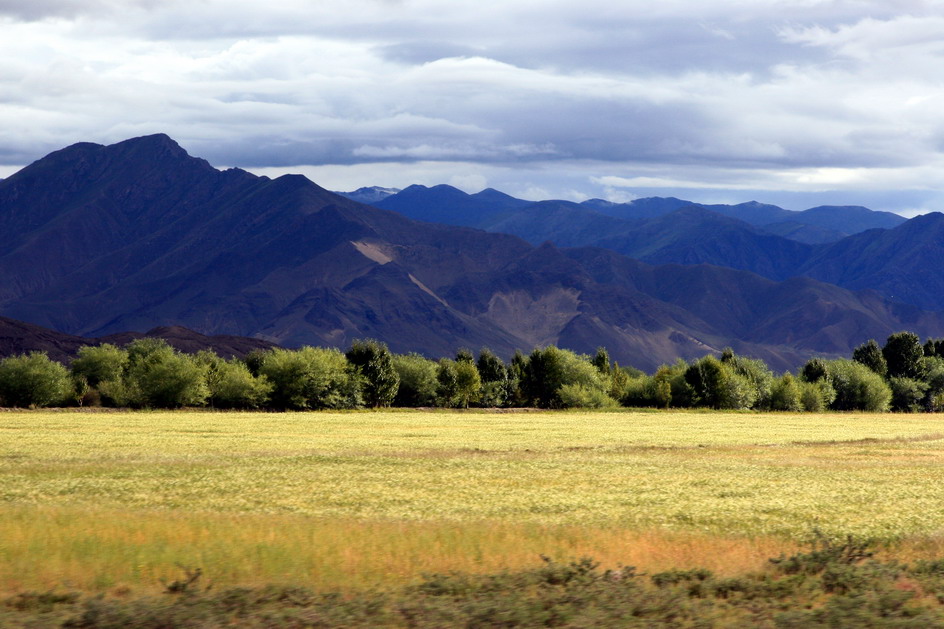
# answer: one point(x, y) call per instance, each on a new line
point(763, 95)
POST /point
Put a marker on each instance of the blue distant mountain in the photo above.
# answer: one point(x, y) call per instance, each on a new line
point(850, 246)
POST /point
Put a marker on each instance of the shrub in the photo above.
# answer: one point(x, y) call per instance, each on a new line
point(33, 380)
point(857, 387)
point(232, 385)
point(417, 380)
point(310, 378)
point(374, 363)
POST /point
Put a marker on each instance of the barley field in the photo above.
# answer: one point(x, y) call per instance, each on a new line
point(117, 501)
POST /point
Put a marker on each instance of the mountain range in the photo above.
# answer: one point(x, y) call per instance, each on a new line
point(899, 258)
point(132, 236)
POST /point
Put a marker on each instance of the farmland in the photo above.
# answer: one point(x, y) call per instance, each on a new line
point(116, 501)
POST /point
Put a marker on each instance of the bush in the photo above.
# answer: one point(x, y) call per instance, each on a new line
point(232, 385)
point(100, 363)
point(907, 394)
point(786, 394)
point(158, 376)
point(374, 363)
point(33, 380)
point(458, 383)
point(417, 380)
point(310, 378)
point(582, 396)
point(858, 388)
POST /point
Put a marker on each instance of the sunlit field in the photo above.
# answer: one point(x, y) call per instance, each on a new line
point(115, 501)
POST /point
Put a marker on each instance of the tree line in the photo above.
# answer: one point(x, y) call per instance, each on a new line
point(903, 375)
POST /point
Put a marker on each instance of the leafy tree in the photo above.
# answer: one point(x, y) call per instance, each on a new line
point(786, 394)
point(932, 375)
point(816, 396)
point(857, 387)
point(759, 377)
point(551, 368)
point(718, 384)
point(934, 347)
point(814, 370)
point(577, 395)
point(902, 352)
point(908, 394)
point(465, 355)
point(158, 376)
point(373, 361)
point(33, 380)
point(543, 376)
point(231, 384)
point(100, 363)
point(601, 360)
point(459, 383)
point(311, 378)
point(870, 355)
point(417, 380)
point(497, 385)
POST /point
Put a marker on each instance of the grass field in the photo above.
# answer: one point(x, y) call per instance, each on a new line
point(113, 501)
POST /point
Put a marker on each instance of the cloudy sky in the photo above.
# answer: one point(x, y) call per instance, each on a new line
point(797, 103)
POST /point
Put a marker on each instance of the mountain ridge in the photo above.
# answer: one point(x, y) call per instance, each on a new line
point(139, 234)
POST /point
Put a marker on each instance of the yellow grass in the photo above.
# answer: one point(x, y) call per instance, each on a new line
point(108, 501)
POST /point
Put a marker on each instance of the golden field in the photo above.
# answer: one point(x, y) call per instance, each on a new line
point(114, 501)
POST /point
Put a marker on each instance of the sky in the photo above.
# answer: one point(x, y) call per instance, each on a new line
point(797, 103)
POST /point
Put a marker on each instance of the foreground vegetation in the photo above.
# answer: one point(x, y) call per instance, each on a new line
point(114, 502)
point(833, 585)
point(903, 376)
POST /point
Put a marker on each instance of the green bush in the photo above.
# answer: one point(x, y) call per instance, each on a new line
point(310, 378)
point(417, 380)
point(33, 380)
point(857, 387)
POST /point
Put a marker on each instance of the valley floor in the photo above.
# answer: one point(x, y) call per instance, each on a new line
point(119, 502)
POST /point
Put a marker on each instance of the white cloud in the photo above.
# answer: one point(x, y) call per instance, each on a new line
point(779, 95)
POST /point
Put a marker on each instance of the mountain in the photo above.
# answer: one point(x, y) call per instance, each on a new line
point(904, 263)
point(498, 212)
point(898, 258)
point(102, 239)
point(17, 337)
point(369, 195)
point(451, 206)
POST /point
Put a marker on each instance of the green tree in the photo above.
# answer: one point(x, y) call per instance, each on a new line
point(33, 380)
point(908, 394)
point(231, 384)
point(497, 385)
point(814, 370)
point(542, 377)
point(870, 355)
point(417, 380)
point(100, 363)
point(857, 387)
point(459, 384)
point(601, 360)
point(311, 378)
point(903, 352)
point(786, 394)
point(816, 396)
point(373, 361)
point(158, 376)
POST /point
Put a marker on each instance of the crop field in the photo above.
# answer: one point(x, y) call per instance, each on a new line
point(116, 501)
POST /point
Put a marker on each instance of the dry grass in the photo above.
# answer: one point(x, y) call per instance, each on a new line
point(112, 501)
